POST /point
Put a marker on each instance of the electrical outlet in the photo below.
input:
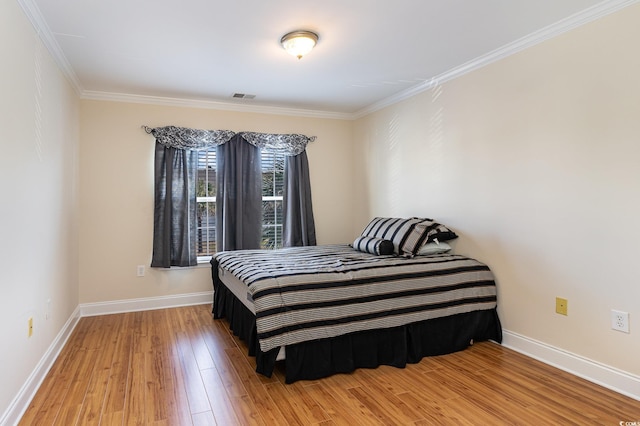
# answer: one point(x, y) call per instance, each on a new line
point(141, 270)
point(561, 306)
point(30, 327)
point(620, 321)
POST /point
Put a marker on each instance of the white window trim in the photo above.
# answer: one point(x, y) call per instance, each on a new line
point(205, 259)
point(205, 199)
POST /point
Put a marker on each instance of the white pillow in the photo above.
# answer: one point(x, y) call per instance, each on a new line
point(434, 247)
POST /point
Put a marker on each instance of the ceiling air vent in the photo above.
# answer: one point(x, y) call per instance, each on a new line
point(242, 96)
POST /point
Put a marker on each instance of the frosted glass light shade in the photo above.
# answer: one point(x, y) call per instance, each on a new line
point(299, 43)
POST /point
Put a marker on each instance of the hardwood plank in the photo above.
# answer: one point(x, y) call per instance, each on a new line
point(204, 419)
point(381, 408)
point(135, 404)
point(74, 398)
point(200, 350)
point(175, 391)
point(391, 402)
point(569, 406)
point(196, 393)
point(93, 403)
point(435, 412)
point(258, 394)
point(155, 363)
point(334, 407)
point(339, 386)
point(179, 412)
point(465, 411)
point(218, 399)
point(246, 410)
point(116, 395)
point(90, 413)
point(296, 404)
point(180, 367)
point(223, 365)
point(112, 418)
point(473, 392)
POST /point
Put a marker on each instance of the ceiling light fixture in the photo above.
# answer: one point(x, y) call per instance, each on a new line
point(299, 43)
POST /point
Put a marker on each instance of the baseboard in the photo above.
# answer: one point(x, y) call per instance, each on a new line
point(22, 400)
point(601, 374)
point(145, 304)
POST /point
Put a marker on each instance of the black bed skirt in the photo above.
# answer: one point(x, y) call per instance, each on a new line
point(366, 349)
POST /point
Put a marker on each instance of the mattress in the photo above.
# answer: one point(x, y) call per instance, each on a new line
point(241, 292)
point(302, 294)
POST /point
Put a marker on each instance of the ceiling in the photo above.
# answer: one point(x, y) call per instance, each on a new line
point(370, 52)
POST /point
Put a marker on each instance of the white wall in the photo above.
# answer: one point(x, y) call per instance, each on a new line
point(116, 191)
point(38, 181)
point(535, 162)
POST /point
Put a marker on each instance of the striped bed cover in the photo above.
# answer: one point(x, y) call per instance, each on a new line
point(317, 292)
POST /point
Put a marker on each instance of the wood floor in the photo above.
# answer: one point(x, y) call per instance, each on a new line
point(180, 367)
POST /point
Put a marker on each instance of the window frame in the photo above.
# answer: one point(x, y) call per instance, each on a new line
point(279, 219)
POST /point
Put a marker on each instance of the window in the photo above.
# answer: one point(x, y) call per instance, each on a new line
point(272, 198)
point(272, 191)
point(206, 204)
point(189, 205)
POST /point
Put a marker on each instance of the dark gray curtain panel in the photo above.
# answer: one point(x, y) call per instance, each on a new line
point(239, 191)
point(239, 195)
point(299, 226)
point(174, 229)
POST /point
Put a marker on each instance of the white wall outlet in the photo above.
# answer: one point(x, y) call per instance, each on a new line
point(141, 270)
point(620, 320)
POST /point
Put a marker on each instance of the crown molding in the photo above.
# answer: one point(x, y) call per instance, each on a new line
point(211, 104)
point(588, 15)
point(565, 25)
point(32, 12)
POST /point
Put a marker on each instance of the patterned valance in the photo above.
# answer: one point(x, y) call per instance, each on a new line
point(291, 145)
point(190, 139)
point(196, 139)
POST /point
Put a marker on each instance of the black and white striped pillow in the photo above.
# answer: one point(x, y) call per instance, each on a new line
point(407, 235)
point(435, 231)
point(373, 245)
point(397, 230)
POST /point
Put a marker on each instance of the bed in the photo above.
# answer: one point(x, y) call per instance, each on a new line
point(335, 308)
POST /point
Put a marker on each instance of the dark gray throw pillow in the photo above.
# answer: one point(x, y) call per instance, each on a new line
point(373, 245)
